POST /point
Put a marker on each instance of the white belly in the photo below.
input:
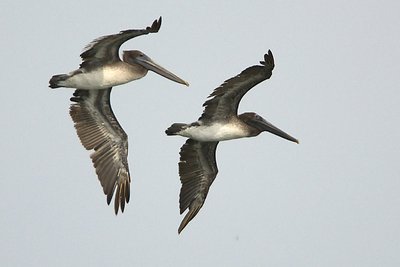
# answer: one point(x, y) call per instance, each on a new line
point(215, 132)
point(102, 78)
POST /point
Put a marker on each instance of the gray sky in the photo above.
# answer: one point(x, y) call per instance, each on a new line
point(333, 200)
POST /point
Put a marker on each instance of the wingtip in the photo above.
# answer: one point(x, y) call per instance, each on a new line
point(268, 59)
point(189, 216)
point(158, 21)
point(182, 226)
point(117, 201)
point(122, 196)
point(127, 193)
point(184, 223)
point(109, 197)
point(179, 230)
point(155, 27)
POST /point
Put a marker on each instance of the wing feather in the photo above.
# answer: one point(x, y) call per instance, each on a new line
point(197, 171)
point(105, 49)
point(224, 100)
point(99, 130)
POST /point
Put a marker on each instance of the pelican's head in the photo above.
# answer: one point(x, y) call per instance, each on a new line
point(135, 58)
point(259, 125)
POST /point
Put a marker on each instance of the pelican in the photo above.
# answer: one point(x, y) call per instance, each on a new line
point(96, 125)
point(219, 122)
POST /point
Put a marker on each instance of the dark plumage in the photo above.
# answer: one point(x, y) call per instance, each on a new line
point(99, 130)
point(95, 123)
point(219, 122)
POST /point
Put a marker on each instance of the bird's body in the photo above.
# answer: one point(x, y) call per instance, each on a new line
point(102, 78)
point(219, 122)
point(216, 131)
point(95, 122)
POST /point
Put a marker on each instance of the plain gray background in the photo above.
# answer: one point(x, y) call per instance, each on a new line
point(332, 200)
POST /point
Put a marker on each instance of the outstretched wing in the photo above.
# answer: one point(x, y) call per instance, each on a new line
point(98, 129)
point(105, 49)
point(225, 99)
point(197, 170)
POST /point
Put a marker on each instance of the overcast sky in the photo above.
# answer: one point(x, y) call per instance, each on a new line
point(332, 200)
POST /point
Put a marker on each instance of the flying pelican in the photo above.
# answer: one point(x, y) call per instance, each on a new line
point(95, 122)
point(219, 122)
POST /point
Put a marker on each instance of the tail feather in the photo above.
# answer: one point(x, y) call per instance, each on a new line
point(56, 80)
point(175, 128)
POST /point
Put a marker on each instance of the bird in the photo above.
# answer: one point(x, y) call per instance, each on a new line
point(97, 127)
point(219, 122)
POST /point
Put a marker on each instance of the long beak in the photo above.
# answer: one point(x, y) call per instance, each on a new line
point(266, 126)
point(151, 65)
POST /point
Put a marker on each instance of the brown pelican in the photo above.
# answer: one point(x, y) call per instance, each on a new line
point(219, 122)
point(94, 120)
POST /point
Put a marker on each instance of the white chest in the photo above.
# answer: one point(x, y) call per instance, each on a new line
point(119, 75)
point(215, 132)
point(103, 78)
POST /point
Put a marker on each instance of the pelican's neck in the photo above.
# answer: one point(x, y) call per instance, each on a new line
point(122, 72)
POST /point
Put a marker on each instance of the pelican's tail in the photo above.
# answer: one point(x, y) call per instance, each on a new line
point(58, 80)
point(175, 128)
